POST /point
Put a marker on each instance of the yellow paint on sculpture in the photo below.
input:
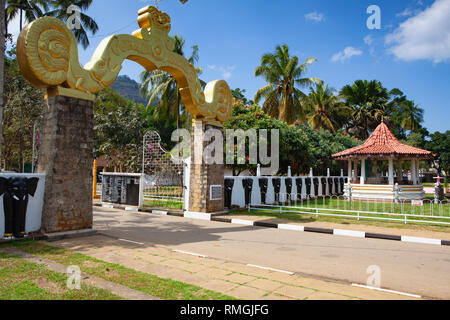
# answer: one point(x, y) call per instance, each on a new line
point(48, 58)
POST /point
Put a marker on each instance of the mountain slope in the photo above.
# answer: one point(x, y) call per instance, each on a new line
point(128, 88)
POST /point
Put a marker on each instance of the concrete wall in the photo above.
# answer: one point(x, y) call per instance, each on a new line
point(34, 213)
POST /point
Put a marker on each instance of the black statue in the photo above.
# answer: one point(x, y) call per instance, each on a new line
point(16, 192)
point(276, 182)
point(263, 186)
point(248, 187)
point(229, 184)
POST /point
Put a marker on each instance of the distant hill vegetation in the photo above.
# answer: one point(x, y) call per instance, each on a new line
point(128, 88)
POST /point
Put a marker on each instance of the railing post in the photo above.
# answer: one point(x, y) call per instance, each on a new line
point(396, 192)
point(141, 191)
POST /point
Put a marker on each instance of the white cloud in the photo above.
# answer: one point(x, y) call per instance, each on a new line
point(346, 54)
point(369, 40)
point(315, 16)
point(405, 13)
point(227, 72)
point(425, 36)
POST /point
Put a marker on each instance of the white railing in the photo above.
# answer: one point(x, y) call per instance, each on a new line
point(397, 211)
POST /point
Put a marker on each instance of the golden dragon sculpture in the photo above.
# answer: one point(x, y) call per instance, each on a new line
point(48, 58)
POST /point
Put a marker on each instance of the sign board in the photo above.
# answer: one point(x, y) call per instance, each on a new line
point(216, 192)
point(417, 203)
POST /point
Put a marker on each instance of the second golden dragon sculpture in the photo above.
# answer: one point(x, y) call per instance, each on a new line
point(48, 58)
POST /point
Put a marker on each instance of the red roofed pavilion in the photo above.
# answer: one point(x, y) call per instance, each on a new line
point(384, 146)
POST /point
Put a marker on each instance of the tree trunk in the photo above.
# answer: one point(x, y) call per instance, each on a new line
point(283, 106)
point(2, 69)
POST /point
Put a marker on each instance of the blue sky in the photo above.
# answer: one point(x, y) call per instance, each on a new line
point(410, 52)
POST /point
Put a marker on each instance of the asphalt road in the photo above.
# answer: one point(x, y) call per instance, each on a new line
point(405, 267)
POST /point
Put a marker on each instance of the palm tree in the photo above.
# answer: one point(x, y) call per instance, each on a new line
point(411, 115)
point(162, 91)
point(369, 102)
point(326, 110)
point(33, 10)
point(59, 10)
point(284, 76)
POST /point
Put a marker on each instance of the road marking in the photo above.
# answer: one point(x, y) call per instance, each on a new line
point(132, 209)
point(349, 233)
point(388, 291)
point(125, 240)
point(242, 222)
point(421, 240)
point(271, 269)
point(291, 227)
point(108, 206)
point(190, 253)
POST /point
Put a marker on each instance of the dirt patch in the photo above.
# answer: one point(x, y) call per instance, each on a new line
point(91, 264)
point(48, 285)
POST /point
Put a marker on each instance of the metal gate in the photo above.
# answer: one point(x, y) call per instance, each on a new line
point(162, 175)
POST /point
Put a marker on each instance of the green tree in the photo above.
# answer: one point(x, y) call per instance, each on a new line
point(24, 105)
point(326, 110)
point(34, 9)
point(411, 115)
point(301, 147)
point(28, 9)
point(119, 127)
point(439, 144)
point(239, 94)
point(60, 11)
point(162, 91)
point(285, 77)
point(369, 101)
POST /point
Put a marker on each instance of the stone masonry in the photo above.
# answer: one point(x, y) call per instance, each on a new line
point(66, 158)
point(203, 175)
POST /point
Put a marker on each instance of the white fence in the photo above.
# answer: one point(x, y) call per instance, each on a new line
point(426, 211)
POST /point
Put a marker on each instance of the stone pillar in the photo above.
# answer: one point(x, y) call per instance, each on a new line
point(66, 158)
point(201, 198)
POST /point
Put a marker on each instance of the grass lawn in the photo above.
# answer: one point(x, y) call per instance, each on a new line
point(147, 283)
point(163, 204)
point(23, 280)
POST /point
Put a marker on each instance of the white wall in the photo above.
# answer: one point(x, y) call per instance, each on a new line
point(35, 204)
point(238, 194)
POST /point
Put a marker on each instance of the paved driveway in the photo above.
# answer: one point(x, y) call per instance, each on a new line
point(411, 268)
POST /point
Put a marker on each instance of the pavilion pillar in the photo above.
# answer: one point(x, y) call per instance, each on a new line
point(391, 172)
point(350, 171)
point(417, 171)
point(355, 170)
point(400, 171)
point(363, 171)
point(413, 171)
